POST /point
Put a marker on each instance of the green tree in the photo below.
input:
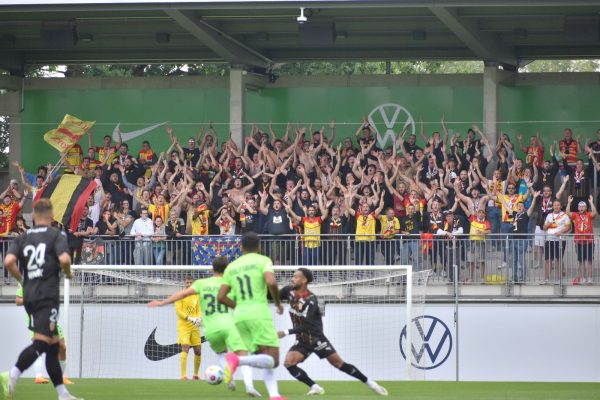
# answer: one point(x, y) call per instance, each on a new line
point(562, 66)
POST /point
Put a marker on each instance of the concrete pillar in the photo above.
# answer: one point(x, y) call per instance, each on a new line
point(236, 105)
point(490, 102)
point(15, 146)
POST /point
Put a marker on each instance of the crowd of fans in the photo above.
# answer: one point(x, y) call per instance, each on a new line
point(450, 194)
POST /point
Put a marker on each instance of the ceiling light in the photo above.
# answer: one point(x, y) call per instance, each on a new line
point(301, 18)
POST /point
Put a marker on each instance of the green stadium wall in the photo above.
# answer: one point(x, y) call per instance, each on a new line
point(546, 105)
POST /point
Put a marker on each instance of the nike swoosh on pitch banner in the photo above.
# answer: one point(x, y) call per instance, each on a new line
point(157, 352)
point(133, 134)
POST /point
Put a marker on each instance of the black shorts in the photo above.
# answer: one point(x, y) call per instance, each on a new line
point(322, 348)
point(585, 252)
point(43, 317)
point(554, 249)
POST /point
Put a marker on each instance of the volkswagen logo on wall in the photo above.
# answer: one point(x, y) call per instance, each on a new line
point(432, 342)
point(389, 119)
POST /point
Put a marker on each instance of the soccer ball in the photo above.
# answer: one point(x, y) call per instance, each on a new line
point(214, 375)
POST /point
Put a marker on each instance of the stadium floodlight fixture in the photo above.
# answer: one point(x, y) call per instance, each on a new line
point(301, 18)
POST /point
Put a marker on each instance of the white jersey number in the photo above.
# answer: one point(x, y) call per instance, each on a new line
point(36, 255)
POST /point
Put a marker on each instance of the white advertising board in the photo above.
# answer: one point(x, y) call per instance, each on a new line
point(497, 342)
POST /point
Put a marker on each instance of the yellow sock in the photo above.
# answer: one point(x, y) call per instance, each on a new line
point(183, 364)
point(197, 364)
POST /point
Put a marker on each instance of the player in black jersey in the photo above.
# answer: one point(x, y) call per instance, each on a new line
point(308, 328)
point(35, 259)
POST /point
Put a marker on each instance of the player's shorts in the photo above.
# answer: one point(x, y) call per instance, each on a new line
point(43, 317)
point(322, 348)
point(540, 237)
point(59, 330)
point(554, 249)
point(225, 339)
point(190, 337)
point(585, 251)
point(258, 332)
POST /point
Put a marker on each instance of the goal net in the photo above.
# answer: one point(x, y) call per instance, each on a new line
point(111, 333)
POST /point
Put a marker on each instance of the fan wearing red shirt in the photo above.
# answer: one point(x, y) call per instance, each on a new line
point(4, 228)
point(584, 237)
point(569, 146)
point(534, 153)
point(106, 153)
point(11, 209)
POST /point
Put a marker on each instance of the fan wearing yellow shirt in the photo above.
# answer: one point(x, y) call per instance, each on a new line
point(511, 198)
point(311, 225)
point(390, 227)
point(364, 249)
point(198, 217)
point(480, 227)
point(188, 323)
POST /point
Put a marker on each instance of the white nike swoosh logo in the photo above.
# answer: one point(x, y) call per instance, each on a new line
point(133, 134)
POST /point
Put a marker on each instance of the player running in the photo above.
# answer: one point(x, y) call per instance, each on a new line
point(41, 252)
point(189, 321)
point(308, 328)
point(248, 278)
point(62, 348)
point(219, 328)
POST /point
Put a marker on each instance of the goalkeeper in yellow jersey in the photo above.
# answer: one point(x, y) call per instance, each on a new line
point(189, 321)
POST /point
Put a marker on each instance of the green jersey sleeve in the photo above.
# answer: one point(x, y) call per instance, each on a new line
point(214, 314)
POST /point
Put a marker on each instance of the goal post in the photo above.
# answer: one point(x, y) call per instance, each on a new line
point(111, 333)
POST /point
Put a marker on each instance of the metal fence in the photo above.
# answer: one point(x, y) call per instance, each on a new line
point(494, 259)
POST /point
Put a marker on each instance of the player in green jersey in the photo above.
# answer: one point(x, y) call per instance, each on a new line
point(219, 327)
point(248, 278)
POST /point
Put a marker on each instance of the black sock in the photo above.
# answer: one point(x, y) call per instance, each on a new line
point(30, 354)
point(53, 366)
point(353, 371)
point(301, 375)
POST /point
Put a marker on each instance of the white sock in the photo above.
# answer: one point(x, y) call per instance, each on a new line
point(222, 360)
point(247, 376)
point(38, 367)
point(63, 365)
point(14, 374)
point(62, 390)
point(271, 382)
point(258, 361)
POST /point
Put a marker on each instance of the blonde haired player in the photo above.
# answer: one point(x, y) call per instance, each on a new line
point(189, 321)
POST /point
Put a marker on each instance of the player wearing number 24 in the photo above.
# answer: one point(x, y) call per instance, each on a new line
point(41, 253)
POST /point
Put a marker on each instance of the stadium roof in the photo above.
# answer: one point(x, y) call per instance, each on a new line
point(264, 33)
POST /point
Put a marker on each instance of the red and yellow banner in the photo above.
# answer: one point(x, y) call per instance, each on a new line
point(70, 130)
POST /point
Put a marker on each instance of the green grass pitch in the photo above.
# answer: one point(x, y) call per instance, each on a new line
point(130, 389)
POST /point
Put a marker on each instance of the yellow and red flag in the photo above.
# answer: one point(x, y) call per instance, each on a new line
point(70, 130)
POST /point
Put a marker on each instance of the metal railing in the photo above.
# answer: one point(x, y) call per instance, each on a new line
point(495, 259)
